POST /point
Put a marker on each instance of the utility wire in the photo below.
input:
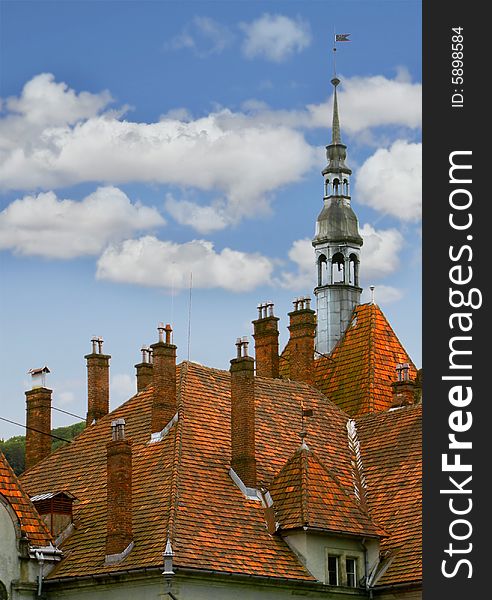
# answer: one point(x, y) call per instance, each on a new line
point(36, 430)
point(68, 413)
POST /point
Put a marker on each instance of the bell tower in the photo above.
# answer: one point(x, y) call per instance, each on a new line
point(337, 245)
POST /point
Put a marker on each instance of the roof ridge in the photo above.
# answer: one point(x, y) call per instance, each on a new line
point(360, 486)
point(304, 453)
point(371, 357)
point(177, 453)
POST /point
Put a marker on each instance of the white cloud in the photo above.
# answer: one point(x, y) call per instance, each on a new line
point(45, 225)
point(73, 138)
point(383, 294)
point(390, 181)
point(236, 158)
point(379, 258)
point(380, 252)
point(204, 219)
point(364, 103)
point(152, 262)
point(275, 37)
point(368, 102)
point(204, 36)
point(301, 254)
point(45, 102)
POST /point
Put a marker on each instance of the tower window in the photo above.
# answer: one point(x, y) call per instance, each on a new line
point(332, 570)
point(336, 185)
point(353, 270)
point(338, 268)
point(322, 270)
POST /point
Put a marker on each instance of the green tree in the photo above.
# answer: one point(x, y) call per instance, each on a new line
point(14, 448)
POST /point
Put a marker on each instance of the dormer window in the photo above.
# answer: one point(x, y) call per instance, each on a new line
point(342, 569)
point(351, 569)
point(333, 569)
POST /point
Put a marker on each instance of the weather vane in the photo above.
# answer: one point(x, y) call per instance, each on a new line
point(338, 37)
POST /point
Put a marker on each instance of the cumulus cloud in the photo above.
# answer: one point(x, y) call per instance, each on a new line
point(364, 102)
point(380, 252)
point(379, 257)
point(303, 277)
point(233, 157)
point(204, 219)
point(275, 37)
point(204, 36)
point(390, 181)
point(74, 137)
point(45, 102)
point(152, 262)
point(45, 225)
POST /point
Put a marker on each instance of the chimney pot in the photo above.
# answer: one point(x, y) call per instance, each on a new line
point(118, 429)
point(302, 329)
point(144, 369)
point(38, 377)
point(404, 388)
point(164, 403)
point(243, 418)
point(97, 382)
point(119, 534)
point(266, 342)
point(38, 425)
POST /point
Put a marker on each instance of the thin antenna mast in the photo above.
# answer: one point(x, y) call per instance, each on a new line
point(334, 51)
point(172, 291)
point(189, 314)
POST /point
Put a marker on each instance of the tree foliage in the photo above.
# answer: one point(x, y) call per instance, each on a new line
point(14, 448)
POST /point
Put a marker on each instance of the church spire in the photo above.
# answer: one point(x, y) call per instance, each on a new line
point(337, 244)
point(335, 127)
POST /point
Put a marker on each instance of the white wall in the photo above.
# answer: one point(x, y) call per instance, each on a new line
point(9, 560)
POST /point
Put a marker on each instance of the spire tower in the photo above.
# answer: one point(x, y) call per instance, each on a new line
point(337, 244)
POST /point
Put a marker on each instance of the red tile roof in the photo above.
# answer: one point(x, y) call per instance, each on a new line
point(306, 494)
point(391, 453)
point(357, 375)
point(182, 487)
point(31, 524)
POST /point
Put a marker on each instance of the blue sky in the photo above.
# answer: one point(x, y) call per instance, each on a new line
point(142, 142)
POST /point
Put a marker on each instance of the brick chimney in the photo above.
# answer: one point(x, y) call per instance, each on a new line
point(404, 388)
point(301, 344)
point(266, 341)
point(144, 369)
point(38, 418)
point(97, 382)
point(243, 414)
point(119, 535)
point(164, 404)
